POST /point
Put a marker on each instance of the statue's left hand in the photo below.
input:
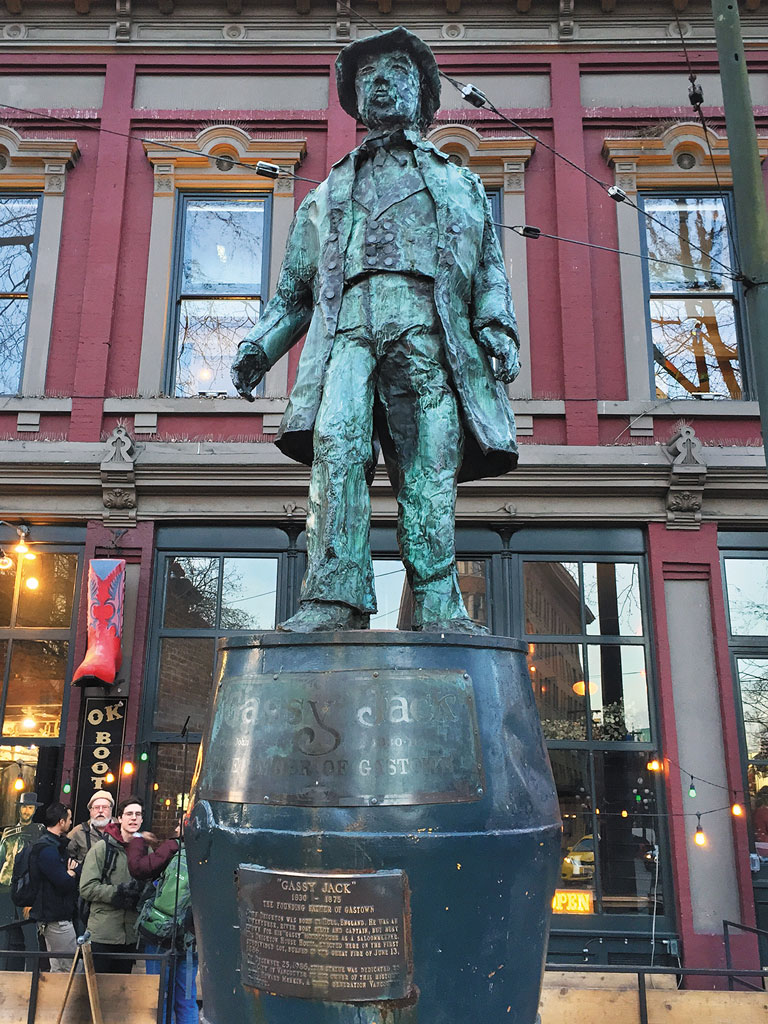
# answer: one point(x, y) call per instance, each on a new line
point(497, 343)
point(249, 367)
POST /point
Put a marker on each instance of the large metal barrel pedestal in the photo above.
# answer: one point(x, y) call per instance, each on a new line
point(375, 836)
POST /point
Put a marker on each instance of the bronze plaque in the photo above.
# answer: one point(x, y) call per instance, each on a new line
point(344, 738)
point(334, 937)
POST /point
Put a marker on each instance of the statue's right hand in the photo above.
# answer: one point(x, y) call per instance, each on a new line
point(249, 367)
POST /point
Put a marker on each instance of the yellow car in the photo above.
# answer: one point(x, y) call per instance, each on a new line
point(579, 863)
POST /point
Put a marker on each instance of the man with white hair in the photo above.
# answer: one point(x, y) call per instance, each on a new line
point(83, 836)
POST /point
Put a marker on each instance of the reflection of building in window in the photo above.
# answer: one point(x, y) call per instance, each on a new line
point(221, 283)
point(18, 227)
point(586, 660)
point(204, 597)
point(693, 312)
point(394, 599)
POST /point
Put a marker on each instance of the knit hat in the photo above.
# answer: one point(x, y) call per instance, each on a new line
point(398, 38)
point(101, 794)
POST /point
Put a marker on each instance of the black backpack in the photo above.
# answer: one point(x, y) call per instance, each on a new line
point(25, 883)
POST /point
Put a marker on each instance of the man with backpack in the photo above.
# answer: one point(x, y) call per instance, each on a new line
point(50, 879)
point(165, 919)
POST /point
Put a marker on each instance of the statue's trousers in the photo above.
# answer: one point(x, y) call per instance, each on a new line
point(388, 352)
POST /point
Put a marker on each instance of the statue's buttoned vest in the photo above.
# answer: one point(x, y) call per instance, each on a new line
point(394, 226)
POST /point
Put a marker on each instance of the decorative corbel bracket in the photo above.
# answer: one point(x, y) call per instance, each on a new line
point(688, 475)
point(118, 480)
point(123, 22)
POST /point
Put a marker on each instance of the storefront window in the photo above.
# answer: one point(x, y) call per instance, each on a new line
point(204, 598)
point(747, 588)
point(587, 660)
point(746, 580)
point(395, 602)
point(172, 773)
point(37, 600)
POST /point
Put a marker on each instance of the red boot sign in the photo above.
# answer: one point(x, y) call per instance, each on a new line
point(106, 593)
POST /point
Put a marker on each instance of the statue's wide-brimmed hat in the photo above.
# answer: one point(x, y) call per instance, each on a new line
point(401, 39)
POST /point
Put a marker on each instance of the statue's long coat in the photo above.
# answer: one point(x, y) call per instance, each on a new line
point(471, 291)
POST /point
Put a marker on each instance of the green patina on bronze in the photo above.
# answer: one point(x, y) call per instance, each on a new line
point(394, 269)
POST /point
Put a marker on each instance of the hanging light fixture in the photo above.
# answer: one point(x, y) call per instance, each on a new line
point(19, 783)
point(692, 789)
point(699, 836)
point(21, 547)
point(5, 561)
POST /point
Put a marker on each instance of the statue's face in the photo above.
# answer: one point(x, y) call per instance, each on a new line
point(26, 813)
point(388, 91)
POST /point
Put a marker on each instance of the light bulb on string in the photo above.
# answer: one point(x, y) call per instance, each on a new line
point(67, 787)
point(692, 789)
point(699, 837)
point(5, 561)
point(32, 583)
point(19, 783)
point(653, 766)
point(128, 768)
point(736, 809)
point(109, 778)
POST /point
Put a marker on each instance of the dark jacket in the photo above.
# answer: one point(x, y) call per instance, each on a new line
point(57, 889)
point(145, 863)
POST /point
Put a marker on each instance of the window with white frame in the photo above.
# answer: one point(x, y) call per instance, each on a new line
point(693, 308)
point(221, 271)
point(19, 217)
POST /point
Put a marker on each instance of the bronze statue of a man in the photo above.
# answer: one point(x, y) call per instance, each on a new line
point(394, 265)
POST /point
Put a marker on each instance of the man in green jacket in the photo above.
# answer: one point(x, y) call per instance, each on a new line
point(106, 883)
point(395, 268)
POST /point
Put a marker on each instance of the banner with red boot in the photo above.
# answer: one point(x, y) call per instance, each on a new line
point(106, 591)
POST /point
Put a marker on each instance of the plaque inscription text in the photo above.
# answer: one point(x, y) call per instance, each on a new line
point(336, 937)
point(345, 738)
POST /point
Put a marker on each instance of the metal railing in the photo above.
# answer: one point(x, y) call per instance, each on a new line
point(642, 973)
point(38, 956)
point(727, 925)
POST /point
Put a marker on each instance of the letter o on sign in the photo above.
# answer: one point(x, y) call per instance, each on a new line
point(96, 716)
point(101, 753)
point(99, 768)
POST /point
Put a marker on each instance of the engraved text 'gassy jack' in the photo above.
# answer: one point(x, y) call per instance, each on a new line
point(346, 738)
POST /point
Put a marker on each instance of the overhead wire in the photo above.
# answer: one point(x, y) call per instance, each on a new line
point(696, 97)
point(262, 167)
point(478, 99)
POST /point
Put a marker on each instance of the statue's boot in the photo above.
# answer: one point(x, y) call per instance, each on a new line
point(325, 617)
point(106, 590)
point(439, 608)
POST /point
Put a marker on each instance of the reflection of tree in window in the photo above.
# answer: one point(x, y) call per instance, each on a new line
point(220, 290)
point(694, 337)
point(18, 217)
point(753, 679)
